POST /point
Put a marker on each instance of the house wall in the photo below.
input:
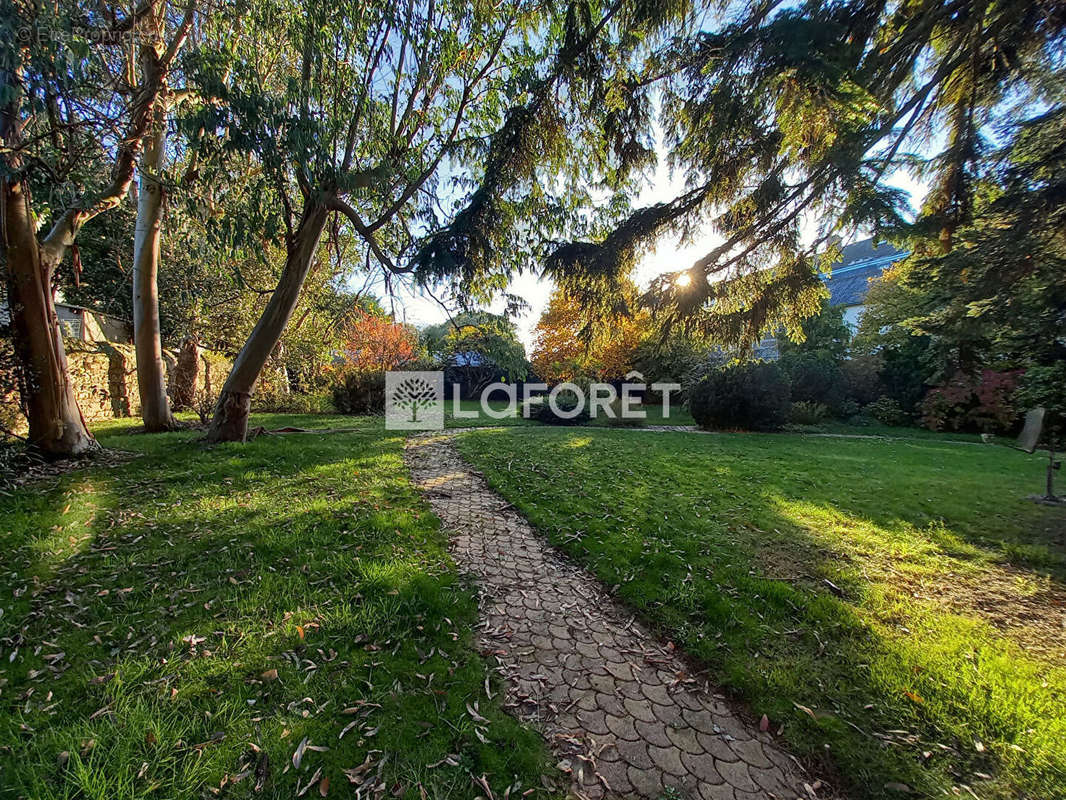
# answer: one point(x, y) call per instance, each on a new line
point(852, 315)
point(92, 326)
point(106, 328)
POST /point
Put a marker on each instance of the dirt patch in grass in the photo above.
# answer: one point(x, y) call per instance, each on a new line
point(1029, 610)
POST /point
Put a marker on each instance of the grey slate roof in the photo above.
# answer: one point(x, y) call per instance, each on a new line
point(850, 277)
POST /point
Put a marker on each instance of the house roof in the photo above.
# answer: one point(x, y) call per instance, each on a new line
point(849, 278)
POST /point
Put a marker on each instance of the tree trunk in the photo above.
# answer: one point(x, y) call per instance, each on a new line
point(230, 423)
point(57, 427)
point(183, 381)
point(151, 375)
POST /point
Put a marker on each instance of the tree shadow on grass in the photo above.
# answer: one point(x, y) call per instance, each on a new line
point(216, 601)
point(776, 562)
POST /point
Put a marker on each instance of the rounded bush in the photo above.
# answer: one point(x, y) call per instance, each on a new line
point(805, 412)
point(815, 378)
point(565, 403)
point(752, 396)
point(888, 412)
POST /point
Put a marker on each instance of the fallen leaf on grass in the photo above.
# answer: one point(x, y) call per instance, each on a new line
point(314, 778)
point(806, 711)
point(298, 756)
point(262, 771)
point(473, 713)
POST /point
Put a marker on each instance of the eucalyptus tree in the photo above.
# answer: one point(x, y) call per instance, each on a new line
point(384, 115)
point(151, 374)
point(72, 115)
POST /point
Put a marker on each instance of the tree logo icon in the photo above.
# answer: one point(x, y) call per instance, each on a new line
point(415, 394)
point(414, 400)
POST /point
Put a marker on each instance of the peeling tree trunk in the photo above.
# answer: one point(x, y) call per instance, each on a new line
point(151, 375)
point(183, 381)
point(57, 427)
point(230, 423)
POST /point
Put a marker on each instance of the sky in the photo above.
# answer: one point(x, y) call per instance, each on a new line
point(421, 309)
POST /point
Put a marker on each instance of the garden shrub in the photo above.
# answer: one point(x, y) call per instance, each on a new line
point(973, 402)
point(862, 379)
point(203, 403)
point(903, 372)
point(850, 408)
point(679, 359)
point(887, 411)
point(746, 396)
point(618, 421)
point(815, 378)
point(1045, 386)
point(360, 392)
point(291, 403)
point(807, 413)
point(546, 414)
point(566, 402)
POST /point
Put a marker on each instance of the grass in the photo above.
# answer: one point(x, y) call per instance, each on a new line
point(895, 607)
point(177, 625)
point(654, 416)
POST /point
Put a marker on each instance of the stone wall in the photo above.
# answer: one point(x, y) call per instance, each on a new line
point(104, 375)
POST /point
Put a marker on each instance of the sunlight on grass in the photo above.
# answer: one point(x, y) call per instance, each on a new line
point(229, 602)
point(895, 542)
point(904, 592)
point(578, 441)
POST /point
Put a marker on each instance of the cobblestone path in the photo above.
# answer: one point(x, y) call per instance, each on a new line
point(620, 709)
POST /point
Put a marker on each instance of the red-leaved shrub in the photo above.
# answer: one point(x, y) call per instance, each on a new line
point(973, 402)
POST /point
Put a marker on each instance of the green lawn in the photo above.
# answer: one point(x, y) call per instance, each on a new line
point(895, 606)
point(176, 627)
point(654, 416)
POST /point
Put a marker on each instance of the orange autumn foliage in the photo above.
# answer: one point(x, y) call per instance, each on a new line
point(561, 353)
point(374, 342)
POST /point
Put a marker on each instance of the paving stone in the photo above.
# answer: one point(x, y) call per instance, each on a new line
point(611, 704)
point(622, 727)
point(702, 766)
point(653, 733)
point(646, 782)
point(594, 721)
point(720, 792)
point(717, 746)
point(640, 709)
point(658, 694)
point(684, 739)
point(617, 777)
point(736, 775)
point(635, 754)
point(578, 667)
point(751, 753)
point(668, 759)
